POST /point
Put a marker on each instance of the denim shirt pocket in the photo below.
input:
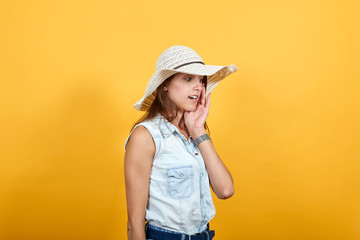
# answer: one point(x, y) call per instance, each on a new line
point(180, 182)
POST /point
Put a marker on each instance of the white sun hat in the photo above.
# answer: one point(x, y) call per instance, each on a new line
point(181, 59)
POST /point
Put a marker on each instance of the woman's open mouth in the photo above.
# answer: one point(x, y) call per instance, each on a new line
point(194, 98)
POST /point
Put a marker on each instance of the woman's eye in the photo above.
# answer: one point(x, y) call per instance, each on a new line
point(189, 79)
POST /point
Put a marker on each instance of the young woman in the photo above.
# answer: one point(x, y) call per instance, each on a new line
point(170, 162)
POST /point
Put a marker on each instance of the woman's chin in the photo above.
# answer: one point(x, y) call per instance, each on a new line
point(191, 109)
point(188, 108)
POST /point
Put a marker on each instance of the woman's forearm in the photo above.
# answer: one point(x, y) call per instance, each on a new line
point(220, 178)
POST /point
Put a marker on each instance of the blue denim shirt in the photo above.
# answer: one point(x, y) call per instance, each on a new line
point(179, 191)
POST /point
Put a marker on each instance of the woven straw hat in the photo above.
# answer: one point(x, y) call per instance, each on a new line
point(181, 59)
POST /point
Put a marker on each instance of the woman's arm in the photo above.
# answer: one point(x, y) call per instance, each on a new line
point(220, 178)
point(139, 154)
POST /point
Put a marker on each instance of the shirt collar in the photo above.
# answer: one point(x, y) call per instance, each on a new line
point(166, 127)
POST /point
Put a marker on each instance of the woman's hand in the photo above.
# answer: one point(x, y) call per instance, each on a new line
point(220, 177)
point(196, 119)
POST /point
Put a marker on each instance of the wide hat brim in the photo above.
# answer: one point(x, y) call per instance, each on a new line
point(214, 75)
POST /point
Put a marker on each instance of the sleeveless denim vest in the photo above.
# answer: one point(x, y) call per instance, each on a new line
point(179, 191)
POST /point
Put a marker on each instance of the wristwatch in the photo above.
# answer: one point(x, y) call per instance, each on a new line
point(201, 139)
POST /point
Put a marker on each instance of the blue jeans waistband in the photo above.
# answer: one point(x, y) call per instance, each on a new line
point(156, 233)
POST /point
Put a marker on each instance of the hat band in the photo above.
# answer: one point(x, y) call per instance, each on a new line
point(188, 64)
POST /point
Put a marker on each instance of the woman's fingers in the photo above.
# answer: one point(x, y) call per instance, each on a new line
point(202, 99)
point(207, 104)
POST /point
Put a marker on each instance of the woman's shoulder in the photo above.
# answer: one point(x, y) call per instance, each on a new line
point(140, 136)
point(145, 132)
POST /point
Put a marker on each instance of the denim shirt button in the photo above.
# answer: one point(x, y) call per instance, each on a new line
point(202, 174)
point(181, 174)
point(196, 154)
point(202, 195)
point(205, 217)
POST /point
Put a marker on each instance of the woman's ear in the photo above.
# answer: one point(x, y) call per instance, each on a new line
point(165, 88)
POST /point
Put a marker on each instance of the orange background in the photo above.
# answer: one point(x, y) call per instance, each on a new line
point(286, 124)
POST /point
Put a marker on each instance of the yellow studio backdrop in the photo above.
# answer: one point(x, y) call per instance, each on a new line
point(286, 124)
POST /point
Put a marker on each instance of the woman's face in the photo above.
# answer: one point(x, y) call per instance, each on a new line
point(185, 90)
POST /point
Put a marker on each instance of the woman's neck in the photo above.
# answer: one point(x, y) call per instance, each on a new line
point(179, 122)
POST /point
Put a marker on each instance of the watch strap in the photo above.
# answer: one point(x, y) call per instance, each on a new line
point(201, 139)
